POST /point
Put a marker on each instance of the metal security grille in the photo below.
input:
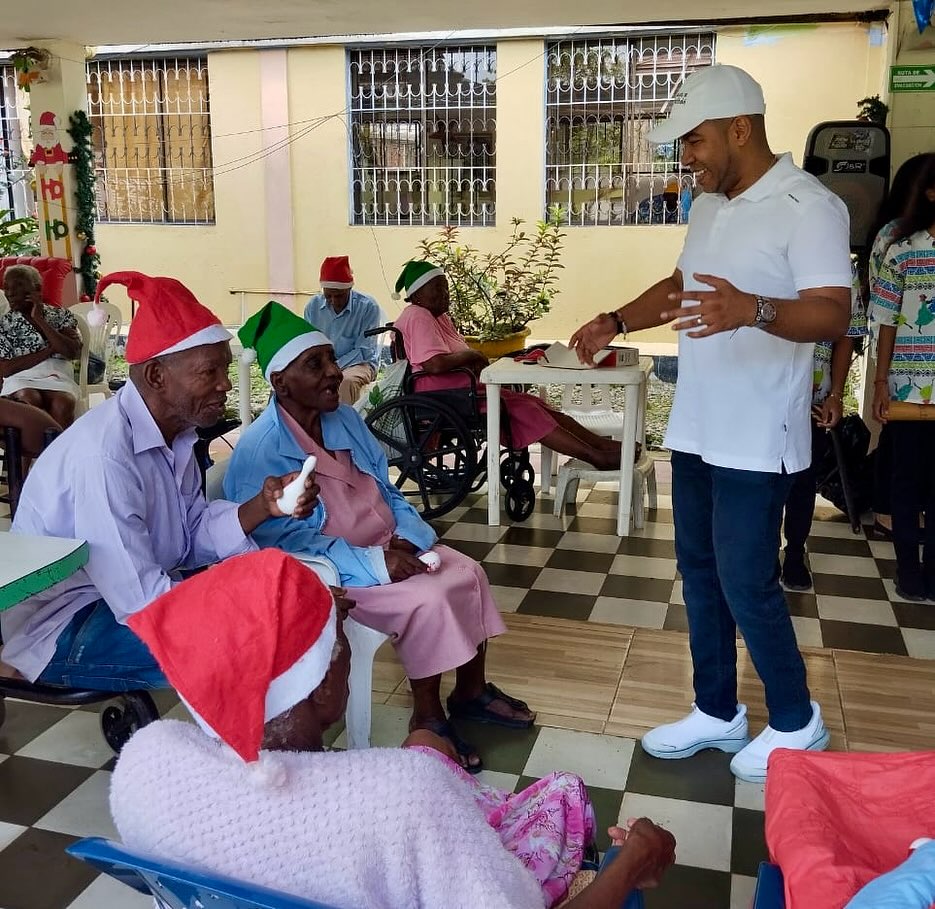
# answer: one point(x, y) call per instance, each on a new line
point(603, 96)
point(152, 140)
point(423, 135)
point(15, 193)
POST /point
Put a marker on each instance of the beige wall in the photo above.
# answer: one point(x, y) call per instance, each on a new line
point(809, 75)
point(912, 114)
point(230, 254)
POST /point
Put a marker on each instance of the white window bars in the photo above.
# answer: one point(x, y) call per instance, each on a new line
point(152, 140)
point(16, 196)
point(423, 135)
point(602, 96)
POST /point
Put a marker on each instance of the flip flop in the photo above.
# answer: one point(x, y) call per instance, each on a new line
point(445, 730)
point(478, 709)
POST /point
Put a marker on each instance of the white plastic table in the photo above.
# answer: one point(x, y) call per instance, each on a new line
point(507, 371)
point(29, 565)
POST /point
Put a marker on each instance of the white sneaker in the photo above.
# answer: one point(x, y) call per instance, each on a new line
point(696, 732)
point(750, 764)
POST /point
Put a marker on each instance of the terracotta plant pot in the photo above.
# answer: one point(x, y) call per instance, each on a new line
point(499, 347)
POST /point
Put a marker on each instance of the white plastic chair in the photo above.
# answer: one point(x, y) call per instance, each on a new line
point(595, 412)
point(103, 341)
point(82, 405)
point(644, 470)
point(364, 641)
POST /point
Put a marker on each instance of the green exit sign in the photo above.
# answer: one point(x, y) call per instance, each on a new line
point(919, 78)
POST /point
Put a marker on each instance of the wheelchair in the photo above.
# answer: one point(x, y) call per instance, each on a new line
point(436, 445)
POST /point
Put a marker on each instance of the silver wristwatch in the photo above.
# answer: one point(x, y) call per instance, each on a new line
point(765, 312)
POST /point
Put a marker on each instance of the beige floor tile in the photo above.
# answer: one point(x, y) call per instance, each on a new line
point(474, 533)
point(507, 598)
point(889, 701)
point(644, 567)
point(655, 530)
point(920, 643)
point(507, 554)
point(560, 580)
point(589, 542)
point(851, 609)
point(388, 672)
point(742, 890)
point(634, 613)
point(600, 760)
point(807, 631)
point(853, 566)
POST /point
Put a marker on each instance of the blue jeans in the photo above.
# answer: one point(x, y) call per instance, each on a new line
point(727, 526)
point(96, 652)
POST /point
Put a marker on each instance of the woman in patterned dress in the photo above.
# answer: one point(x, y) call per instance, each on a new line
point(37, 346)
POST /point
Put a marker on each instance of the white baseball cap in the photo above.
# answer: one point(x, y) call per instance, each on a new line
point(711, 93)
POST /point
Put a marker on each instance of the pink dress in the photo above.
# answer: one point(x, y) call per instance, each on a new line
point(548, 826)
point(531, 419)
point(437, 620)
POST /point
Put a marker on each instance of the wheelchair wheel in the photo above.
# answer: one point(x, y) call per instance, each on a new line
point(516, 466)
point(520, 499)
point(119, 721)
point(432, 454)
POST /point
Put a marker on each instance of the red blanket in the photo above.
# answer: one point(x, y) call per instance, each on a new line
point(836, 821)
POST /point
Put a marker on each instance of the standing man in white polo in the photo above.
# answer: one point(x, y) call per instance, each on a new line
point(764, 273)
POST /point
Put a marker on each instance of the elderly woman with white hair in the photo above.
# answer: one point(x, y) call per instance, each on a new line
point(37, 346)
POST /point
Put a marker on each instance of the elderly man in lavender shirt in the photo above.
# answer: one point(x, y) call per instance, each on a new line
point(124, 478)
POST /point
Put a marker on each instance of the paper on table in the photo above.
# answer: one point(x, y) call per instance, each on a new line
point(562, 356)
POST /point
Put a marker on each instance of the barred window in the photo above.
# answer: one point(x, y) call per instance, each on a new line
point(423, 131)
point(152, 140)
point(603, 96)
point(15, 194)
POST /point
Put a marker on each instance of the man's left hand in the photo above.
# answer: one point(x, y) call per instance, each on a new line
point(828, 414)
point(273, 488)
point(343, 603)
point(725, 308)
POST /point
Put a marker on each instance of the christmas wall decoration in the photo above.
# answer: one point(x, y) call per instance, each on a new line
point(82, 156)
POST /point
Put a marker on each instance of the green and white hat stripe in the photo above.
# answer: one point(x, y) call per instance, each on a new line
point(416, 274)
point(275, 336)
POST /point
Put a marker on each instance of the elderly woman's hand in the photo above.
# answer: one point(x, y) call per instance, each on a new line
point(401, 565)
point(649, 847)
point(342, 602)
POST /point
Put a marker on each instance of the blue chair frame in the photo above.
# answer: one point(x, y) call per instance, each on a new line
point(181, 887)
point(770, 890)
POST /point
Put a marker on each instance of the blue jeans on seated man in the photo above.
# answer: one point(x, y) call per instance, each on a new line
point(96, 652)
point(727, 525)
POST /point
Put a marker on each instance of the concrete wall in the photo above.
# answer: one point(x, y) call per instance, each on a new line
point(809, 74)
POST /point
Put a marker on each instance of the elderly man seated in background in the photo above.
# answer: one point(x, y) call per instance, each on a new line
point(124, 478)
point(344, 314)
point(440, 620)
point(38, 344)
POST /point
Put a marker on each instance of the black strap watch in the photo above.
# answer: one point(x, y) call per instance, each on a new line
point(621, 325)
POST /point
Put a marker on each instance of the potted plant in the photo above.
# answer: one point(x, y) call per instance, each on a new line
point(494, 296)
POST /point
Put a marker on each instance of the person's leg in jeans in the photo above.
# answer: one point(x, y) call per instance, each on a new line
point(927, 430)
point(96, 652)
point(882, 483)
point(712, 631)
point(800, 509)
point(909, 470)
point(747, 516)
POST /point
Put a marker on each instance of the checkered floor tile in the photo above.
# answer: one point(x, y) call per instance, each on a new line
point(54, 766)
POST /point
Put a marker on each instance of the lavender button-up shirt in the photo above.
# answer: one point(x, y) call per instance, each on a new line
point(113, 481)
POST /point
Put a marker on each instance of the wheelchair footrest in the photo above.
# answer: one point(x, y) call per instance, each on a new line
point(53, 694)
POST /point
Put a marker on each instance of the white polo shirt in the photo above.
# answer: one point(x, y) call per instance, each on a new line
point(743, 398)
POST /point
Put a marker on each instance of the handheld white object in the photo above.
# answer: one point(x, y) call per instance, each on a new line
point(290, 495)
point(432, 560)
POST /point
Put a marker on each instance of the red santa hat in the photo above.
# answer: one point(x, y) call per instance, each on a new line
point(169, 319)
point(47, 118)
point(336, 273)
point(243, 642)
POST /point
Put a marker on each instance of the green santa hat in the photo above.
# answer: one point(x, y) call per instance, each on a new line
point(274, 337)
point(415, 275)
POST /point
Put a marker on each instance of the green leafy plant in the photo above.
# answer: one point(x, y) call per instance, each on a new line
point(496, 294)
point(18, 236)
point(873, 110)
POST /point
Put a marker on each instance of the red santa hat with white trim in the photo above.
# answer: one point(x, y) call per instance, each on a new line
point(242, 642)
point(336, 273)
point(169, 318)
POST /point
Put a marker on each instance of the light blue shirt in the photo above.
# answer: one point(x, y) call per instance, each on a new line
point(112, 480)
point(267, 447)
point(346, 329)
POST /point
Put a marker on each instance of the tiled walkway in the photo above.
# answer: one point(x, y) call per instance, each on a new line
point(596, 644)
